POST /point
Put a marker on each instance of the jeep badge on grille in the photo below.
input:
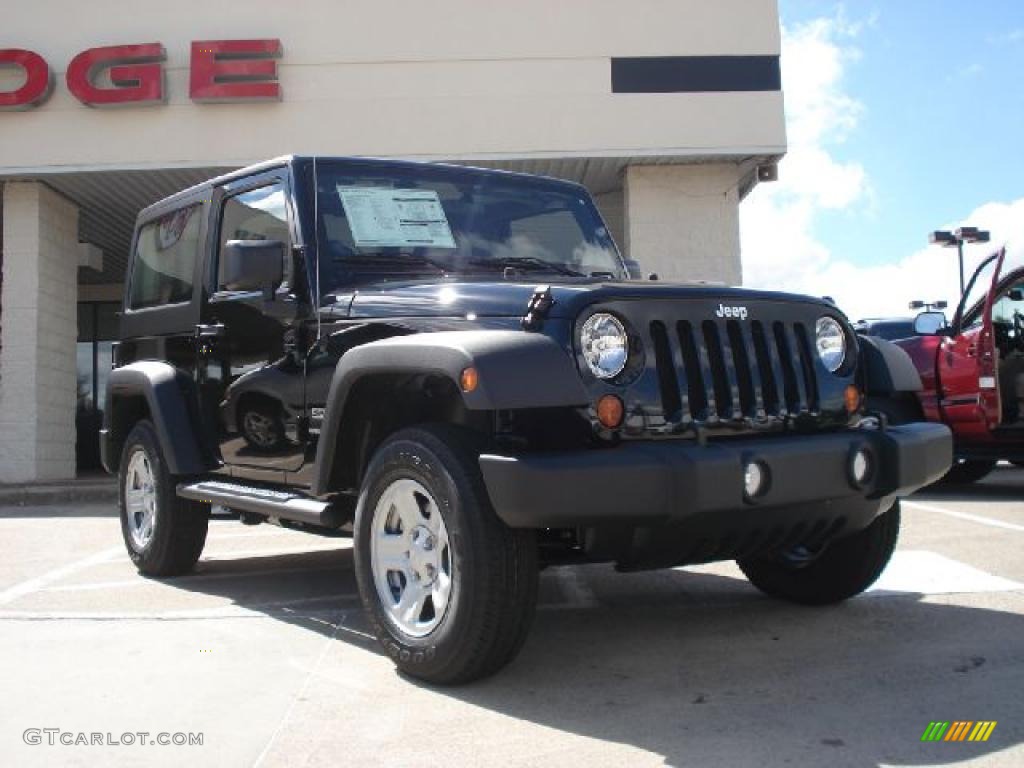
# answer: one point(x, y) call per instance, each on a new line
point(724, 311)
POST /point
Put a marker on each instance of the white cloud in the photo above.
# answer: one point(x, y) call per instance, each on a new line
point(780, 248)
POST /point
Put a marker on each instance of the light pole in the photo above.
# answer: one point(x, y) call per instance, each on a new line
point(928, 306)
point(957, 238)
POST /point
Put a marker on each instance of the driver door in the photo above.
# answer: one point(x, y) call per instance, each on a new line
point(252, 364)
point(968, 364)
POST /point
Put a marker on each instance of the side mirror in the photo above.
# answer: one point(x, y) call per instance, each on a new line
point(253, 265)
point(633, 269)
point(929, 323)
point(1016, 294)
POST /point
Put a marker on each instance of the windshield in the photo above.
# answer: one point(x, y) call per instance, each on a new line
point(401, 220)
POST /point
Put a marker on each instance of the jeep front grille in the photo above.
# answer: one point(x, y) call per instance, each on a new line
point(733, 370)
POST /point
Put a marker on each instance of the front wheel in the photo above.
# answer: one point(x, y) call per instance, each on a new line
point(164, 534)
point(450, 590)
point(845, 568)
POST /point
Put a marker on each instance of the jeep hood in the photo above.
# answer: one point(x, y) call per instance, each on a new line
point(503, 298)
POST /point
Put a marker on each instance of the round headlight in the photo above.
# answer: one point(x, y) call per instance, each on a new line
point(605, 345)
point(831, 343)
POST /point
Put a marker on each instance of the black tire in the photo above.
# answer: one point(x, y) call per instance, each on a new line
point(179, 526)
point(966, 471)
point(845, 568)
point(493, 568)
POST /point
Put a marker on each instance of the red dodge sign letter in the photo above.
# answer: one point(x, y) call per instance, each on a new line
point(135, 71)
point(235, 70)
point(38, 81)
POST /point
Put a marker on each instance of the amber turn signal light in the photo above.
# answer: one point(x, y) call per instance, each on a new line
point(610, 411)
point(852, 397)
point(469, 380)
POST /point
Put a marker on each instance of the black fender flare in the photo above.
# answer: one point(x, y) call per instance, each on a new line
point(166, 391)
point(515, 370)
point(886, 369)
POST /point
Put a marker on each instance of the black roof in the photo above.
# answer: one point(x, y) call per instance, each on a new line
point(203, 188)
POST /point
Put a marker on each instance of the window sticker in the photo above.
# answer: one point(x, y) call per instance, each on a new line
point(396, 218)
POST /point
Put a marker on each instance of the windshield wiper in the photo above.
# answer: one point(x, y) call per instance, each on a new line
point(527, 262)
point(401, 258)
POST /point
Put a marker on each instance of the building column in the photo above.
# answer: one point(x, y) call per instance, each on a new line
point(682, 221)
point(38, 377)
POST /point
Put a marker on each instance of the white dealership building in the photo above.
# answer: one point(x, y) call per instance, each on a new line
point(669, 111)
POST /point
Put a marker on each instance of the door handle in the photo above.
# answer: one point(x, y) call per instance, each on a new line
point(213, 331)
point(972, 350)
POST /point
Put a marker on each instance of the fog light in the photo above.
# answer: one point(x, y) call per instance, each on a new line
point(860, 467)
point(755, 479)
point(610, 411)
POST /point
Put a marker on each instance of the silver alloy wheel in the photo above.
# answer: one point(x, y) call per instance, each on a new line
point(140, 499)
point(410, 558)
point(259, 429)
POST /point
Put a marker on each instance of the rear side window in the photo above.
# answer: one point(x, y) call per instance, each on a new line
point(165, 259)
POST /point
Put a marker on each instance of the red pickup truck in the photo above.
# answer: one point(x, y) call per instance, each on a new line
point(972, 371)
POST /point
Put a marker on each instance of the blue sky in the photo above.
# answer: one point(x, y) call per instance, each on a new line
point(918, 122)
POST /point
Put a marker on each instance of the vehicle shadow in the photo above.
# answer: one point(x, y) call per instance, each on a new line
point(1002, 484)
point(696, 668)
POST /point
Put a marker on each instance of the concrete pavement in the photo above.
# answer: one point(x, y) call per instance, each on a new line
point(265, 652)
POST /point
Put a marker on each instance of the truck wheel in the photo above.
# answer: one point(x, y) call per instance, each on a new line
point(163, 533)
point(449, 589)
point(845, 568)
point(967, 471)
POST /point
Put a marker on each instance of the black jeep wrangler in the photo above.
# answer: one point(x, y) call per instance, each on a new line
point(453, 366)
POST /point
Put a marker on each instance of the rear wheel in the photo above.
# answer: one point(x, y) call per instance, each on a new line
point(965, 471)
point(843, 569)
point(164, 534)
point(450, 590)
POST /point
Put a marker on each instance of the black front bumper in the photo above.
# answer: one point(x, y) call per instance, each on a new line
point(653, 483)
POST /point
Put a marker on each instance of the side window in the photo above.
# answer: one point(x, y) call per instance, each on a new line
point(259, 214)
point(165, 257)
point(1008, 311)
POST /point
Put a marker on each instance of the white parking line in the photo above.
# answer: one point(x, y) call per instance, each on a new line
point(921, 572)
point(11, 594)
point(965, 516)
point(300, 695)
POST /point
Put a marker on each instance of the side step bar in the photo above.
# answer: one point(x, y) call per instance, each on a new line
point(283, 505)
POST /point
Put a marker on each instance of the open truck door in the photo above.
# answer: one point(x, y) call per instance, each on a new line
point(968, 361)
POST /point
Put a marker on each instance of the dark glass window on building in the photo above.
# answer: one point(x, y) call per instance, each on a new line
point(97, 331)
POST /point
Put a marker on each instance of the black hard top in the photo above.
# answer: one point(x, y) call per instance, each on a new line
point(202, 190)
